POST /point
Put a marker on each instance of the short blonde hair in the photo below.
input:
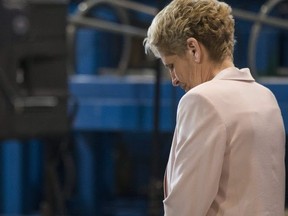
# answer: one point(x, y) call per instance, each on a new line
point(208, 21)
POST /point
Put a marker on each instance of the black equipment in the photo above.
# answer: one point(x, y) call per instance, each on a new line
point(33, 75)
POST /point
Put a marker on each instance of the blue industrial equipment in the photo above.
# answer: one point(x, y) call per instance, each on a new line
point(125, 103)
point(107, 106)
point(113, 103)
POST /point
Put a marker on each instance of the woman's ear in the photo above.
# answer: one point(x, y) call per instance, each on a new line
point(194, 47)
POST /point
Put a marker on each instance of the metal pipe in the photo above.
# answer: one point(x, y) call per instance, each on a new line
point(256, 28)
point(124, 4)
point(271, 21)
point(107, 26)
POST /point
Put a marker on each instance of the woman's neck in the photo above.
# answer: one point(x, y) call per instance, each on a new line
point(215, 68)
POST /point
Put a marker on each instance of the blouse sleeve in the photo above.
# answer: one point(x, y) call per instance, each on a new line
point(199, 155)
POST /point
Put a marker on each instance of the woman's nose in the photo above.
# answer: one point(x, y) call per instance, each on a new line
point(175, 81)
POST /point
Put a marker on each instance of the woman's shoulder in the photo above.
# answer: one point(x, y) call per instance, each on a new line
point(202, 92)
point(207, 88)
point(210, 92)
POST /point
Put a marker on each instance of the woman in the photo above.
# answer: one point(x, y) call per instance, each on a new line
point(227, 154)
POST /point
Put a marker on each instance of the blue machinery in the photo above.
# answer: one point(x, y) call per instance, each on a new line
point(125, 103)
point(109, 105)
point(108, 92)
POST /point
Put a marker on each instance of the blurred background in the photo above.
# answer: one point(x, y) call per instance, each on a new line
point(86, 118)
